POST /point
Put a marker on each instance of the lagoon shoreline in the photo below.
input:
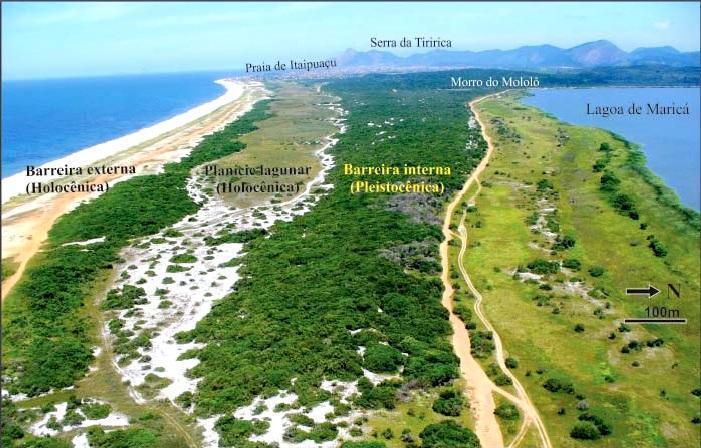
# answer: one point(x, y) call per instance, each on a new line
point(669, 143)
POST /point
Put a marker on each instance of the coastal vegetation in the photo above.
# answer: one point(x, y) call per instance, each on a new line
point(47, 331)
point(578, 235)
point(318, 288)
point(349, 291)
point(9, 267)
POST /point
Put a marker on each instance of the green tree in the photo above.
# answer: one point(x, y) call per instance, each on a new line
point(585, 431)
point(448, 434)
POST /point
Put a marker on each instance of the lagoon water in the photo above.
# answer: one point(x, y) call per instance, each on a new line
point(43, 120)
point(671, 143)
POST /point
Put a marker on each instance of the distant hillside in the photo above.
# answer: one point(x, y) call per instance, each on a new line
point(601, 53)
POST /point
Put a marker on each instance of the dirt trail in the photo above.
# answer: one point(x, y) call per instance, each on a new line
point(479, 386)
point(531, 414)
point(25, 232)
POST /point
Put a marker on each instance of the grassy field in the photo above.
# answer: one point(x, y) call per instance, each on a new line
point(288, 138)
point(645, 396)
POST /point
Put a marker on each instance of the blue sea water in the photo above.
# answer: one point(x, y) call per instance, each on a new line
point(671, 143)
point(43, 120)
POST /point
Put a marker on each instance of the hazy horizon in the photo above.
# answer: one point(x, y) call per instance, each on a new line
point(69, 40)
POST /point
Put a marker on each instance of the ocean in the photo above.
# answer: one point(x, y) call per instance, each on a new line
point(43, 120)
point(671, 143)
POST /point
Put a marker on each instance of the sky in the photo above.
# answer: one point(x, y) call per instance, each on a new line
point(53, 40)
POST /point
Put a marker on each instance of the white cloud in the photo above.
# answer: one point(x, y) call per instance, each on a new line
point(662, 24)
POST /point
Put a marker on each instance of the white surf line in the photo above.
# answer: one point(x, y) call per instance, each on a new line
point(15, 184)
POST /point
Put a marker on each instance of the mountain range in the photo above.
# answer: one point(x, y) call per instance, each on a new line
point(592, 54)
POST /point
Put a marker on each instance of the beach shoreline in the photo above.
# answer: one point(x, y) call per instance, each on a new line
point(26, 220)
point(15, 184)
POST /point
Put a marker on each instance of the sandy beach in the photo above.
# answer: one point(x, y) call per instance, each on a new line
point(15, 184)
point(27, 220)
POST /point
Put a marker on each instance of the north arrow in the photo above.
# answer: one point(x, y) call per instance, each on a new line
point(650, 291)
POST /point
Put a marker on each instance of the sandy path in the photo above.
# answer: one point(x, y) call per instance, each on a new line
point(530, 412)
point(479, 385)
point(24, 232)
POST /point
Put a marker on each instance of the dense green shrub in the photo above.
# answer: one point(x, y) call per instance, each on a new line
point(375, 397)
point(657, 247)
point(572, 263)
point(448, 434)
point(544, 267)
point(603, 427)
point(596, 271)
point(558, 385)
point(585, 431)
point(126, 298)
point(449, 403)
point(609, 181)
point(121, 438)
point(507, 411)
point(96, 411)
point(232, 430)
point(382, 358)
point(544, 185)
point(564, 242)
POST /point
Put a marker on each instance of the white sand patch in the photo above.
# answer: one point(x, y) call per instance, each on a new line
point(115, 419)
point(528, 276)
point(80, 441)
point(40, 428)
point(277, 411)
point(210, 437)
point(16, 397)
point(191, 293)
point(377, 378)
point(86, 242)
point(344, 389)
point(318, 412)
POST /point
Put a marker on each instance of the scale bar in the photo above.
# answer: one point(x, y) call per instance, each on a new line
point(653, 321)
